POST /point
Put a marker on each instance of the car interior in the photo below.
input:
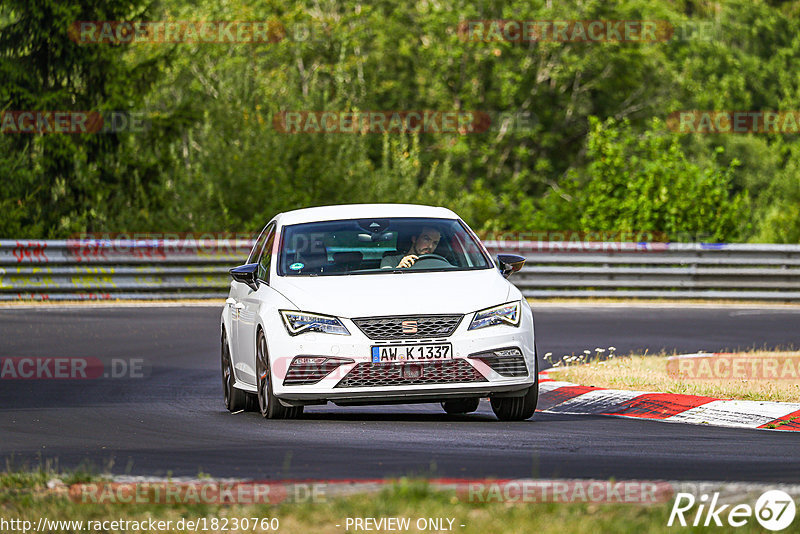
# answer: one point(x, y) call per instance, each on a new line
point(347, 249)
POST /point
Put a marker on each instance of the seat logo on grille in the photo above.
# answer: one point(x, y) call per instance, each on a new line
point(409, 327)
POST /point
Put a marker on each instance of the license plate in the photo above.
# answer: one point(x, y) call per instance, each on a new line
point(411, 353)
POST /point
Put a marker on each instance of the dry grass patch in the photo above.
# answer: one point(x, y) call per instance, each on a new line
point(649, 373)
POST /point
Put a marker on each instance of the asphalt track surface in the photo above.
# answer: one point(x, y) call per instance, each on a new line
point(172, 421)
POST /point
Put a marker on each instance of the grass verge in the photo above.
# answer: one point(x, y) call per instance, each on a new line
point(650, 373)
point(31, 496)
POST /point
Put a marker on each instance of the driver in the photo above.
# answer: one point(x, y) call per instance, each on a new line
point(424, 243)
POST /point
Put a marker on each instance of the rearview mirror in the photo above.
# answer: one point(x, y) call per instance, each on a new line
point(509, 263)
point(246, 274)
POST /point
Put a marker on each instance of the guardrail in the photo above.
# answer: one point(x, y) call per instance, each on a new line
point(661, 270)
point(181, 269)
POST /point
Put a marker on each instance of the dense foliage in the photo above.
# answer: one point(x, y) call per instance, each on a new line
point(579, 138)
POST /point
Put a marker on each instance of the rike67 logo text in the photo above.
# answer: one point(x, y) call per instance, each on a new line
point(774, 510)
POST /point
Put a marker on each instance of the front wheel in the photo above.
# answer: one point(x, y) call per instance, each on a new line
point(268, 404)
point(519, 408)
point(236, 400)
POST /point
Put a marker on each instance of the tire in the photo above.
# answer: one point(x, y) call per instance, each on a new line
point(519, 408)
point(236, 400)
point(268, 404)
point(516, 408)
point(460, 406)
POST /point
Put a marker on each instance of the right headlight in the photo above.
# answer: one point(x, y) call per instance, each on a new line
point(298, 322)
point(507, 314)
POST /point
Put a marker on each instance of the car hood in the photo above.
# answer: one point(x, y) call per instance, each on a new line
point(366, 295)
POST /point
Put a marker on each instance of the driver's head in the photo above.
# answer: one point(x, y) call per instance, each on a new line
point(425, 242)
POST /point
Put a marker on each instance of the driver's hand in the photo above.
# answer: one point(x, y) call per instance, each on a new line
point(408, 261)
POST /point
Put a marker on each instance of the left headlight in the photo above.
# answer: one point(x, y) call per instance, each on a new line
point(508, 314)
point(302, 322)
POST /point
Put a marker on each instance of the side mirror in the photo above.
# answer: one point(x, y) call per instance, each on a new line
point(509, 263)
point(246, 274)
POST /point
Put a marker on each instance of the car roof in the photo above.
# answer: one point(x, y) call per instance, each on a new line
point(363, 211)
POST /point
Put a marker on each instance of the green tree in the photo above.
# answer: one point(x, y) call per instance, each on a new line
point(58, 184)
point(214, 161)
point(644, 182)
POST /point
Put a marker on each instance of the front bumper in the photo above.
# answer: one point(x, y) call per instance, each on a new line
point(357, 347)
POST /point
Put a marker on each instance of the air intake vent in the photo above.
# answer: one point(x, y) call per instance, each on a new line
point(306, 370)
point(507, 366)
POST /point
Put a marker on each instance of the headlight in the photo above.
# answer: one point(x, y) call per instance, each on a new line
point(504, 314)
point(302, 322)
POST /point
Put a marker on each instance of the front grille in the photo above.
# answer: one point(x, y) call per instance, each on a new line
point(390, 374)
point(428, 326)
point(507, 365)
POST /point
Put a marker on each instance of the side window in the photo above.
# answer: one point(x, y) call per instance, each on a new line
point(266, 255)
point(254, 254)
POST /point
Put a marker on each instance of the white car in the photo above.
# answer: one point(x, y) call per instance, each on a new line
point(376, 304)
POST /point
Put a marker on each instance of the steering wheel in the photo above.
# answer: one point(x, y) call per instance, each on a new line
point(432, 258)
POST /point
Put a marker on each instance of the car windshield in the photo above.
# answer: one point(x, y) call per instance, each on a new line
point(370, 246)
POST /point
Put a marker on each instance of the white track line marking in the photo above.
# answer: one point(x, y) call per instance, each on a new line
point(545, 387)
point(596, 402)
point(748, 414)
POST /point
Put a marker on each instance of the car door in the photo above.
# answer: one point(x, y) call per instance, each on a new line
point(250, 304)
point(236, 305)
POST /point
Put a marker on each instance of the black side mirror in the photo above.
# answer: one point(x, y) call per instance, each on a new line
point(246, 274)
point(509, 263)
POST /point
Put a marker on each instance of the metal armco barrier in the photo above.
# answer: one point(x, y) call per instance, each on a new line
point(182, 269)
point(118, 269)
